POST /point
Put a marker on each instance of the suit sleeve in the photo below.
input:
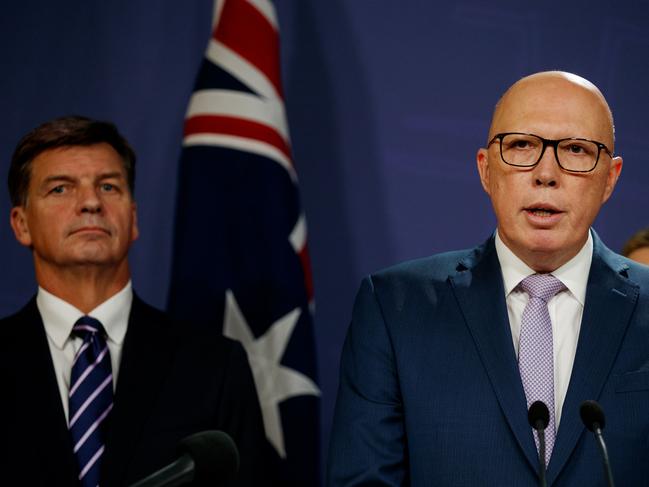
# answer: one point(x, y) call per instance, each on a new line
point(368, 442)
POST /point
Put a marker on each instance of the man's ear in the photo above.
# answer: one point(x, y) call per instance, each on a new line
point(482, 160)
point(611, 178)
point(135, 231)
point(18, 220)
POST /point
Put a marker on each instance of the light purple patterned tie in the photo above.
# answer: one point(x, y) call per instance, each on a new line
point(535, 357)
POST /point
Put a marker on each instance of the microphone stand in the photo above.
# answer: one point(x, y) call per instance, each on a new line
point(540, 433)
point(538, 417)
point(602, 447)
point(592, 416)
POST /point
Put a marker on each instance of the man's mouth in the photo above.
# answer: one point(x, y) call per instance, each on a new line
point(90, 229)
point(542, 211)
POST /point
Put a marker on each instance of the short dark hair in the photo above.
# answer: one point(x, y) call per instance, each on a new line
point(639, 240)
point(66, 131)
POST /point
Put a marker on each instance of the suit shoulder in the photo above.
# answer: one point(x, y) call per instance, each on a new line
point(14, 323)
point(22, 313)
point(187, 332)
point(638, 273)
point(437, 267)
point(420, 279)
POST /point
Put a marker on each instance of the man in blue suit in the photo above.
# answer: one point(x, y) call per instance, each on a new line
point(430, 388)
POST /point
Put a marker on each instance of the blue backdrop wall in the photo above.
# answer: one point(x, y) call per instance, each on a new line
point(387, 104)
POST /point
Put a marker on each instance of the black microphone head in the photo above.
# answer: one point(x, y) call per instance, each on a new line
point(538, 415)
point(592, 415)
point(215, 455)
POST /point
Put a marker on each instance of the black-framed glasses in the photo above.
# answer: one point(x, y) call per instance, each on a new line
point(526, 150)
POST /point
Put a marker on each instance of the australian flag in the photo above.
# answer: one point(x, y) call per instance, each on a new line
point(240, 256)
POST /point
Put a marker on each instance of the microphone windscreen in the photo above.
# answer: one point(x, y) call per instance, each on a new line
point(592, 414)
point(538, 413)
point(215, 456)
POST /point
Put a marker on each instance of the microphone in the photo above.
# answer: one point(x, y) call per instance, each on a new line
point(538, 416)
point(592, 416)
point(207, 458)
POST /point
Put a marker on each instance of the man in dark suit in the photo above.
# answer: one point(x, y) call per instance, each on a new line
point(445, 354)
point(143, 382)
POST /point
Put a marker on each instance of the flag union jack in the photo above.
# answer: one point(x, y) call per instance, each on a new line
point(240, 252)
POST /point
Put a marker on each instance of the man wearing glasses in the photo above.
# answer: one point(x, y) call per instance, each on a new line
point(445, 355)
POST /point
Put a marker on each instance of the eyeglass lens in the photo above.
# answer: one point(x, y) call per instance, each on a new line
point(526, 150)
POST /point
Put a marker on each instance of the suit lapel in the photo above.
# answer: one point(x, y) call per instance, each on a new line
point(610, 300)
point(146, 357)
point(40, 409)
point(480, 293)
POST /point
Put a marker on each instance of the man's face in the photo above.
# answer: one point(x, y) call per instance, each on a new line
point(79, 209)
point(544, 213)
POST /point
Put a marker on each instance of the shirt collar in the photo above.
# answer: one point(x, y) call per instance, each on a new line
point(573, 274)
point(60, 316)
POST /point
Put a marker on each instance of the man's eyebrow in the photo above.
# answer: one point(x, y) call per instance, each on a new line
point(57, 178)
point(112, 175)
point(64, 178)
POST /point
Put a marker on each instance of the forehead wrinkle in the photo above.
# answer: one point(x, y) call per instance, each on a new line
point(113, 174)
point(69, 178)
point(58, 177)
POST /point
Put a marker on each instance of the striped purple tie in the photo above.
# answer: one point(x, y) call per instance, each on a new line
point(90, 398)
point(535, 357)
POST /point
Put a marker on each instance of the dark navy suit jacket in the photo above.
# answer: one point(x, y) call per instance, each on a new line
point(174, 380)
point(430, 393)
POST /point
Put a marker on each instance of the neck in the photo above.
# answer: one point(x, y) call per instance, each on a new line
point(544, 258)
point(544, 264)
point(84, 287)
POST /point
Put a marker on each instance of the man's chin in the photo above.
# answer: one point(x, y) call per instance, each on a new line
point(534, 241)
point(87, 262)
point(91, 256)
point(548, 254)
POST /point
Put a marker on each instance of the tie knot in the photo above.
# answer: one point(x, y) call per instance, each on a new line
point(86, 327)
point(542, 286)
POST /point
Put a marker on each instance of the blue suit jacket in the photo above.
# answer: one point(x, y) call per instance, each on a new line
point(430, 392)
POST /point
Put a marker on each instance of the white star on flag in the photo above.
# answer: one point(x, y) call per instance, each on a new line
point(274, 382)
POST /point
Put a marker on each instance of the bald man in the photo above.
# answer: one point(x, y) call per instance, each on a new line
point(445, 355)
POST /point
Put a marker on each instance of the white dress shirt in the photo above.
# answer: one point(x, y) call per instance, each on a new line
point(566, 309)
point(59, 318)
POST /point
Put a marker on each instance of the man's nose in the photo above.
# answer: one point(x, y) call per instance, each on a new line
point(547, 171)
point(89, 200)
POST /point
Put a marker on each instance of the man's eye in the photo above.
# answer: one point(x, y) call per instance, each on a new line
point(107, 187)
point(58, 190)
point(520, 144)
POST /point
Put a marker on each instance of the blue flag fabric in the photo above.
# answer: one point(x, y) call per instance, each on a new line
point(240, 251)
